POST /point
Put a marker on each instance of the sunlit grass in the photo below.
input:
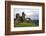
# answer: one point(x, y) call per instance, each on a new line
point(24, 24)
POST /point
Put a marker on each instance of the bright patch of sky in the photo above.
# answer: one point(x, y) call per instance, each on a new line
point(29, 13)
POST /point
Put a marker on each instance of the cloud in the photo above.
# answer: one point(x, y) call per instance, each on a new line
point(28, 14)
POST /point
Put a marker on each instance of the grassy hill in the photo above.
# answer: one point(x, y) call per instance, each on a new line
point(26, 24)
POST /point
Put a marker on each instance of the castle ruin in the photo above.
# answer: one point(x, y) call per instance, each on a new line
point(22, 18)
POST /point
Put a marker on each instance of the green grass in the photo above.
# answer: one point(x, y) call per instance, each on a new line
point(24, 24)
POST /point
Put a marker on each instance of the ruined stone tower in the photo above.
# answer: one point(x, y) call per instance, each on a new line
point(17, 16)
point(23, 16)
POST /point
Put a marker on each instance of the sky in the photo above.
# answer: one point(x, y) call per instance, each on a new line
point(29, 13)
